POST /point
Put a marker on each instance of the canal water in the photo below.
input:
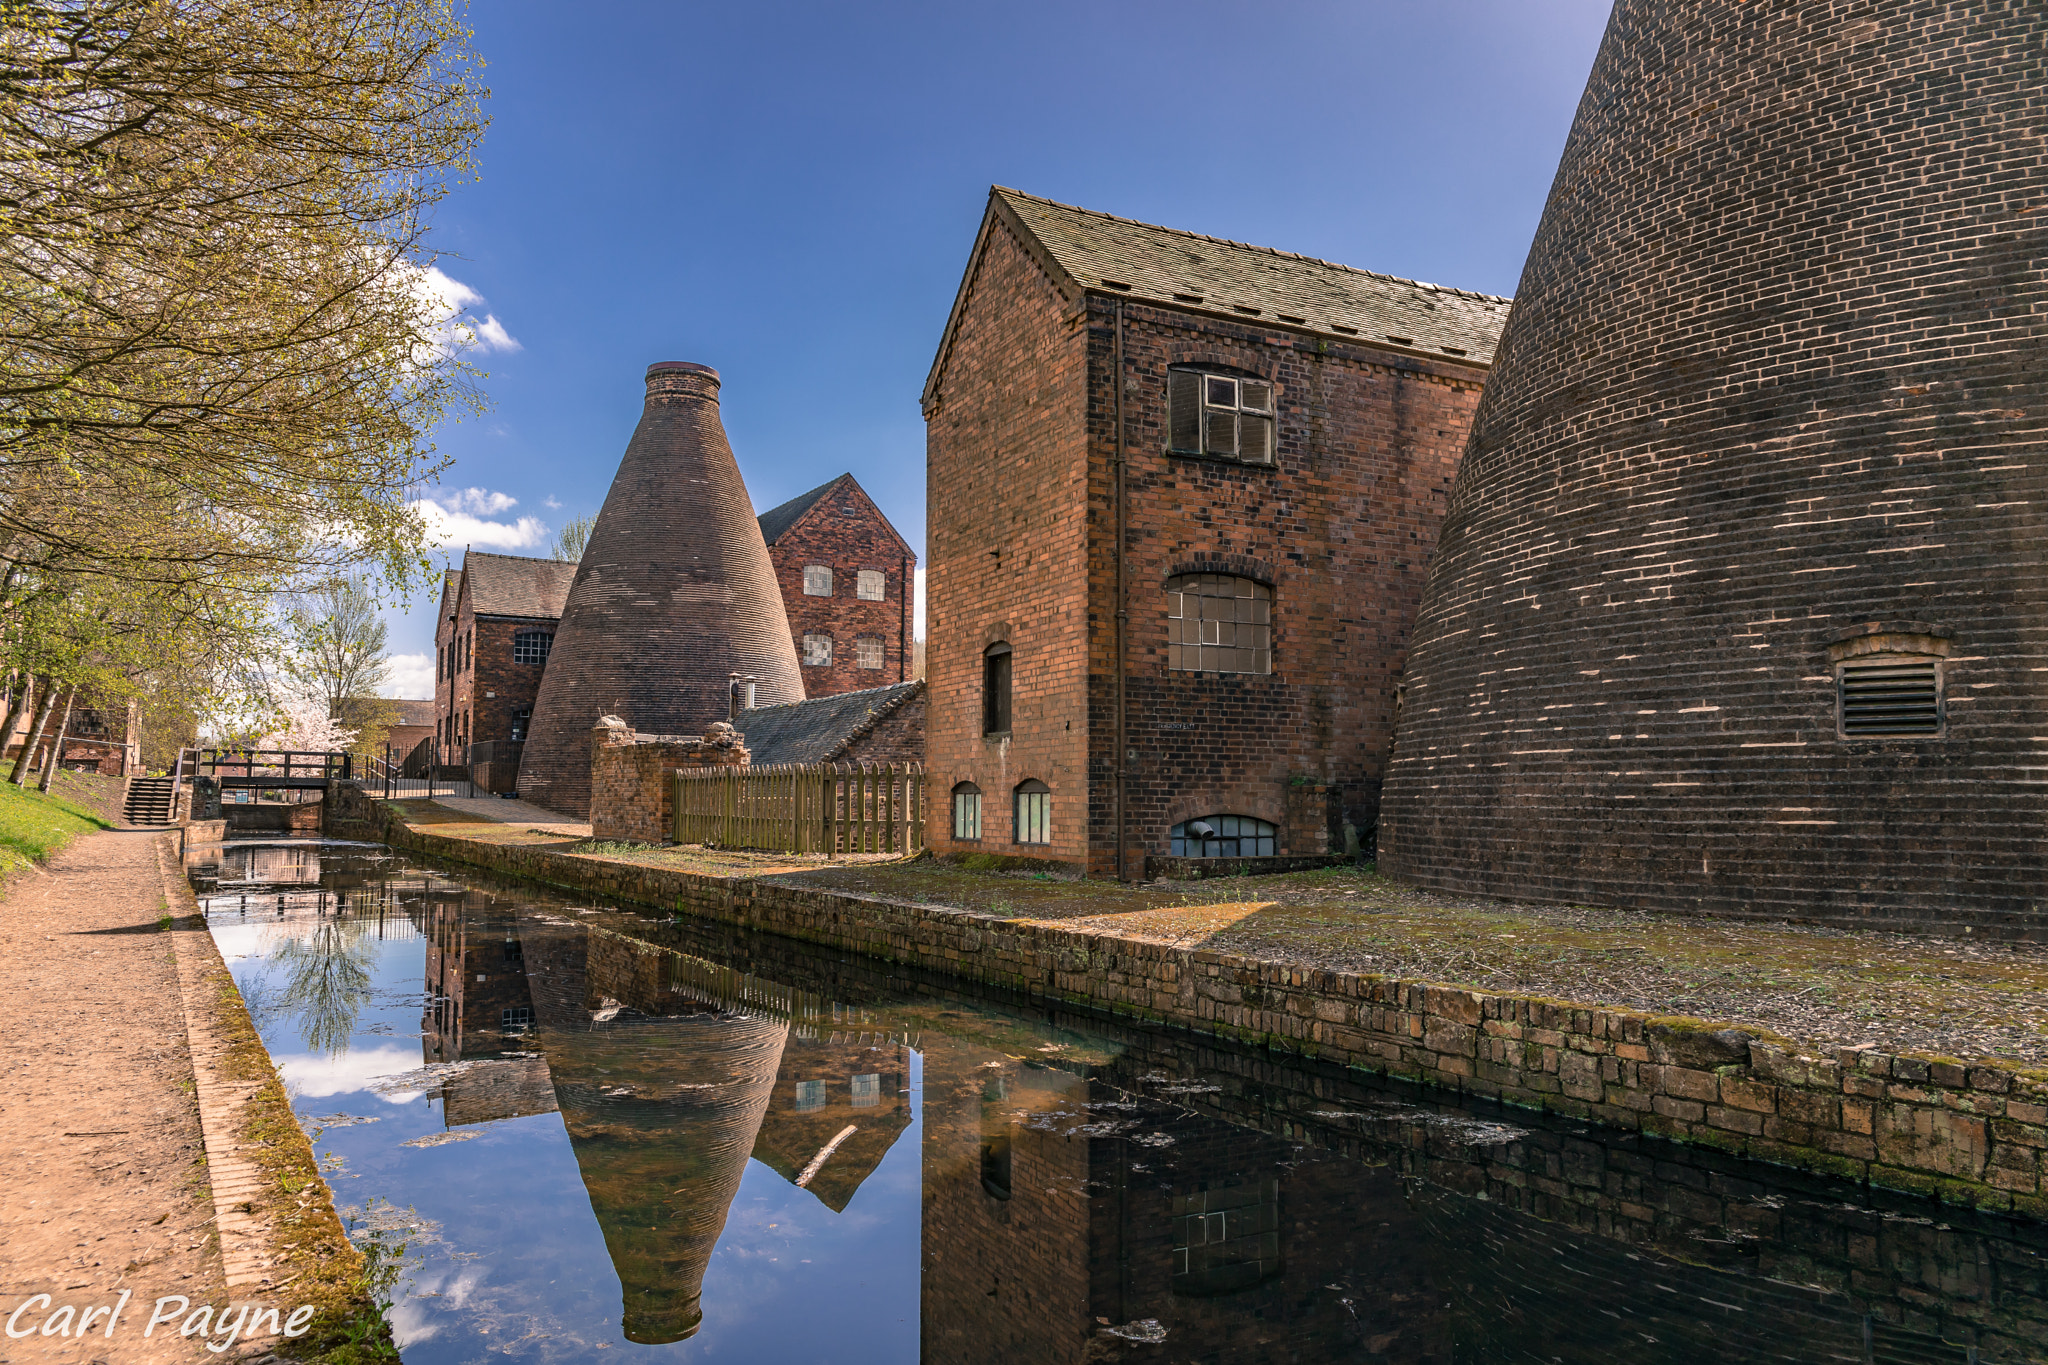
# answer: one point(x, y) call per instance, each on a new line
point(591, 1133)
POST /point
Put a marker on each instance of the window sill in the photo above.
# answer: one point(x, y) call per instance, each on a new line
point(1231, 461)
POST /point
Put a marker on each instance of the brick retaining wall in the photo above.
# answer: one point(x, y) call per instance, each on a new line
point(1969, 1134)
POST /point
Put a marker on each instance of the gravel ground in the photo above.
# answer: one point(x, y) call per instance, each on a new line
point(1821, 988)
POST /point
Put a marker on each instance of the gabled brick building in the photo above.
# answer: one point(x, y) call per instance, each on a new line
point(1182, 492)
point(493, 634)
point(846, 584)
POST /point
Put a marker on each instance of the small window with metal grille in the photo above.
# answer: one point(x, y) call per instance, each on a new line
point(966, 811)
point(817, 580)
point(1219, 414)
point(869, 585)
point(1034, 812)
point(818, 651)
point(1218, 624)
point(1224, 836)
point(532, 646)
point(867, 651)
point(1899, 695)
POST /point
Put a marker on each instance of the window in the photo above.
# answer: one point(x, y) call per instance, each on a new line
point(867, 1091)
point(1034, 812)
point(867, 651)
point(818, 651)
point(1226, 1237)
point(869, 585)
point(1224, 836)
point(966, 811)
point(1218, 624)
point(1890, 696)
point(520, 720)
point(817, 580)
point(531, 646)
point(1219, 414)
point(995, 690)
point(809, 1095)
point(517, 1020)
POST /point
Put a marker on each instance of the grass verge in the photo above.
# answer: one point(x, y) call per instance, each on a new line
point(33, 826)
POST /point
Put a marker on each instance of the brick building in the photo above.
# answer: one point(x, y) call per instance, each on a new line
point(846, 579)
point(1741, 605)
point(493, 634)
point(674, 594)
point(880, 725)
point(1176, 606)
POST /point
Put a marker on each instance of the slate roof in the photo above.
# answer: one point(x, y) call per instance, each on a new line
point(1089, 252)
point(821, 729)
point(776, 520)
point(512, 585)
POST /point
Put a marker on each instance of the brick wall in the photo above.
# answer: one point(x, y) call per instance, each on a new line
point(1341, 527)
point(631, 796)
point(1773, 379)
point(845, 532)
point(1007, 525)
point(898, 737)
point(478, 682)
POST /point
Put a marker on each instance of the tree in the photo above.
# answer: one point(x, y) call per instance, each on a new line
point(575, 537)
point(218, 357)
point(338, 663)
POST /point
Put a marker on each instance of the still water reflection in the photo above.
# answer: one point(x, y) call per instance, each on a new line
point(599, 1131)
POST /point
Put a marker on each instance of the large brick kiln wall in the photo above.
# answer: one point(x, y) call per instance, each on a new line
point(1773, 377)
point(674, 592)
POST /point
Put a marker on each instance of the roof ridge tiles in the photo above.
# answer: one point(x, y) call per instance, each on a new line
point(1254, 246)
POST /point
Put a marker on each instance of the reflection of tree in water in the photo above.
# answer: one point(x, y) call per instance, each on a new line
point(327, 981)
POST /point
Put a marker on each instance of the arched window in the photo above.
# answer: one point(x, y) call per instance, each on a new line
point(1034, 812)
point(966, 811)
point(1218, 624)
point(532, 646)
point(995, 690)
point(1224, 836)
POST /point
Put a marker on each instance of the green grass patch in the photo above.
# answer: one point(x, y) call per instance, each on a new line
point(33, 826)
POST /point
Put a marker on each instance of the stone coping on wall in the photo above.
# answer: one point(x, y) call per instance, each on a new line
point(1970, 1134)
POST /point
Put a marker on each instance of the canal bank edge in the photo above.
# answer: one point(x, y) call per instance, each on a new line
point(281, 1241)
point(1971, 1134)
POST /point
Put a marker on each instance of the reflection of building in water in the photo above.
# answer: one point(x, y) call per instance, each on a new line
point(271, 864)
point(663, 1067)
point(479, 1010)
point(841, 1100)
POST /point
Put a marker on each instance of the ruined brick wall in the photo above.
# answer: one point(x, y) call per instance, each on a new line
point(845, 532)
point(1340, 526)
point(1773, 379)
point(631, 797)
point(1007, 519)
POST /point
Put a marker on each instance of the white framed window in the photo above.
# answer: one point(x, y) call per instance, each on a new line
point(1219, 414)
point(1218, 624)
point(869, 585)
point(1034, 812)
point(817, 580)
point(867, 1091)
point(818, 651)
point(966, 811)
point(867, 651)
point(809, 1095)
point(532, 646)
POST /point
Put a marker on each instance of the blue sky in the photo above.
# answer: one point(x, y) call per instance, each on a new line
point(788, 192)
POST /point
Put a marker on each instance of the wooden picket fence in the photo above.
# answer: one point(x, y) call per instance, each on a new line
point(832, 808)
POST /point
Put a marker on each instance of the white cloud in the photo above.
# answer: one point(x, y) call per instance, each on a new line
point(451, 305)
point(316, 1077)
point(412, 676)
point(484, 502)
point(447, 527)
point(550, 503)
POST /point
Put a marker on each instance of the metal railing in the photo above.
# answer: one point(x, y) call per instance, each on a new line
point(265, 767)
point(835, 809)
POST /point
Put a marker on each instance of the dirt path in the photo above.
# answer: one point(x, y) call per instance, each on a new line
point(105, 1183)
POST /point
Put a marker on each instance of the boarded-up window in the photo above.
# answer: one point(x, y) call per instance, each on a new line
point(867, 651)
point(817, 580)
point(1218, 414)
point(818, 650)
point(869, 585)
point(1218, 624)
